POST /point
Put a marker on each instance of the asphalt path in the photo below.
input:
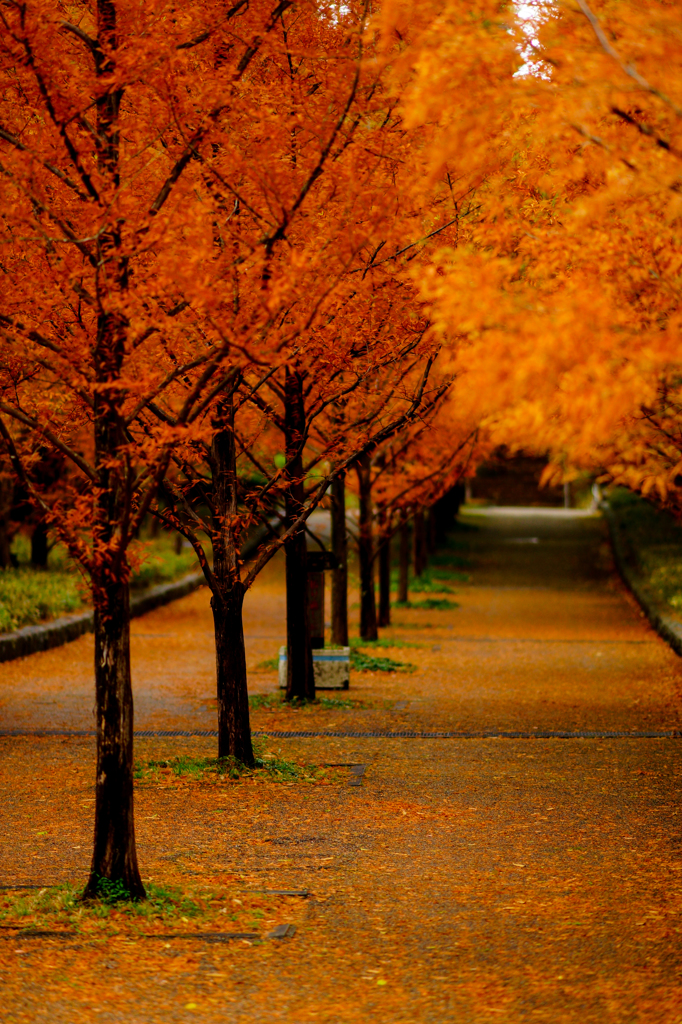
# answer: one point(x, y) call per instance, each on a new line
point(464, 879)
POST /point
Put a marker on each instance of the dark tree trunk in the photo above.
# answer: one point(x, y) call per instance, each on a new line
point(39, 546)
point(315, 606)
point(439, 513)
point(6, 498)
point(114, 857)
point(234, 729)
point(419, 543)
point(340, 574)
point(385, 579)
point(300, 677)
point(178, 543)
point(5, 547)
point(234, 726)
point(404, 567)
point(431, 542)
point(446, 509)
point(368, 609)
point(424, 544)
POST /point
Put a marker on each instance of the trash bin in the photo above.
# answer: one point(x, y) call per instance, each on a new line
point(331, 667)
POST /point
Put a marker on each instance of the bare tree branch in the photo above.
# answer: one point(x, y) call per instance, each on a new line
point(18, 144)
point(628, 69)
point(28, 421)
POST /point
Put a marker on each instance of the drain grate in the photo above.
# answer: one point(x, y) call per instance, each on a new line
point(482, 734)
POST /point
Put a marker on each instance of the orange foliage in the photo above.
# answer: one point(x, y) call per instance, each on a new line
point(198, 202)
point(566, 297)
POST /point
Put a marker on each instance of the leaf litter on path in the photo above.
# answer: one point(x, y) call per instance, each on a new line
point(463, 881)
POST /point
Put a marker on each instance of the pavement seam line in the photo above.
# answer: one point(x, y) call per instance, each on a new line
point(591, 734)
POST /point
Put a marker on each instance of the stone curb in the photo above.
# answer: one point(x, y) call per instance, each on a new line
point(31, 639)
point(665, 624)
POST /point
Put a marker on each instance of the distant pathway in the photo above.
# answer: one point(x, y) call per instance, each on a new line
point(545, 639)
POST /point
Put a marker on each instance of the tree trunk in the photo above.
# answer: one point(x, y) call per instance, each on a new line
point(446, 509)
point(419, 543)
point(234, 726)
point(315, 581)
point(39, 546)
point(114, 867)
point(6, 498)
point(385, 579)
point(300, 677)
point(424, 542)
point(114, 856)
point(431, 542)
point(404, 569)
point(368, 610)
point(340, 574)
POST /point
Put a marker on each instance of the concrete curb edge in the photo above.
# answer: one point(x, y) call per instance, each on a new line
point(44, 636)
point(665, 624)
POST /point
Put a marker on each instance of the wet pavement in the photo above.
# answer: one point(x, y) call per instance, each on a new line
point(464, 880)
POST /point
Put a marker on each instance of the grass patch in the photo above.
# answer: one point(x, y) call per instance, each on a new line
point(655, 540)
point(336, 703)
point(444, 573)
point(356, 641)
point(168, 910)
point(429, 603)
point(426, 584)
point(161, 563)
point(220, 770)
point(662, 567)
point(60, 905)
point(265, 700)
point(28, 596)
point(359, 661)
point(434, 580)
point(268, 665)
point(644, 524)
point(446, 560)
point(368, 663)
point(276, 702)
point(161, 902)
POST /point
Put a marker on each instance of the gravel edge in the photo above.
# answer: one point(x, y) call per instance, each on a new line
point(42, 637)
point(665, 624)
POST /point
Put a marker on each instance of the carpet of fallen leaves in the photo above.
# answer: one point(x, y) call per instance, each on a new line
point(461, 881)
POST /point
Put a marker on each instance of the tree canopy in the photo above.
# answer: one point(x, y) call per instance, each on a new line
point(248, 247)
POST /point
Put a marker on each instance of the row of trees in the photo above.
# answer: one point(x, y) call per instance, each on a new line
point(210, 214)
point(251, 247)
point(566, 298)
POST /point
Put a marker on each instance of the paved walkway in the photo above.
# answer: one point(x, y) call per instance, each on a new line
point(465, 880)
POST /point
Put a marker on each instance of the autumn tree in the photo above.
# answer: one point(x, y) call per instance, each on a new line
point(245, 478)
point(192, 197)
point(306, 201)
point(404, 478)
point(101, 118)
point(570, 334)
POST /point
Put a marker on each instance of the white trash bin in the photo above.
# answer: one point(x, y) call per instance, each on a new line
point(331, 666)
